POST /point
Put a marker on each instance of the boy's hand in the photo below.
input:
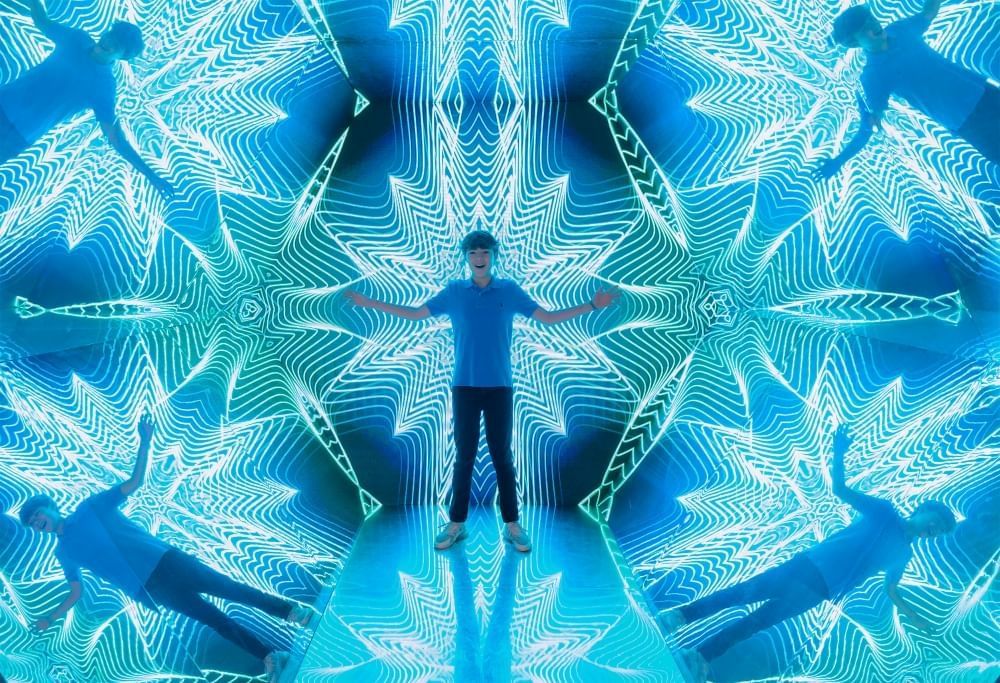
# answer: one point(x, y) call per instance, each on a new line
point(165, 189)
point(356, 298)
point(826, 169)
point(605, 297)
point(841, 439)
point(146, 427)
point(42, 624)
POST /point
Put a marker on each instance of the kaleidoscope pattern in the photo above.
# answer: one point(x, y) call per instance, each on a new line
point(663, 147)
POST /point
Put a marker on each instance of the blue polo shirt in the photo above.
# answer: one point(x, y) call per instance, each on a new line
point(875, 543)
point(482, 319)
point(99, 538)
point(910, 69)
point(64, 83)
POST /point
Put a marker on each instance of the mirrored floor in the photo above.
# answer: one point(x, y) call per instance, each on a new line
point(481, 611)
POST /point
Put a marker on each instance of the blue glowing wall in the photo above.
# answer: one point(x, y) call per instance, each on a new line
point(662, 147)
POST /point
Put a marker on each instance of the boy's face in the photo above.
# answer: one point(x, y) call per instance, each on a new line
point(480, 262)
point(110, 47)
point(871, 34)
point(928, 524)
point(44, 520)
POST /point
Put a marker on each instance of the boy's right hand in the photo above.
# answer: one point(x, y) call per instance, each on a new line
point(42, 624)
point(826, 169)
point(841, 439)
point(356, 298)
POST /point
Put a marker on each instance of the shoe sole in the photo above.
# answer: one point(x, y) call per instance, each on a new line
point(518, 547)
point(438, 546)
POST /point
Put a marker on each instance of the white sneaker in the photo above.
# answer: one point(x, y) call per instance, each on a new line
point(519, 539)
point(672, 620)
point(696, 665)
point(452, 534)
point(301, 615)
point(274, 666)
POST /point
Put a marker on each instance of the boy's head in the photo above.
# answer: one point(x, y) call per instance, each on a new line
point(931, 519)
point(40, 513)
point(857, 27)
point(122, 41)
point(479, 248)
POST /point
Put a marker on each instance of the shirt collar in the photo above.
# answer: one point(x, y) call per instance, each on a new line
point(469, 284)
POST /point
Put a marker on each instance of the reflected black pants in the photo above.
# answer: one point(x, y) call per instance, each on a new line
point(496, 405)
point(11, 142)
point(982, 128)
point(786, 591)
point(178, 582)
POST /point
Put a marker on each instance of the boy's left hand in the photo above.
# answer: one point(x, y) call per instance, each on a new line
point(146, 427)
point(605, 297)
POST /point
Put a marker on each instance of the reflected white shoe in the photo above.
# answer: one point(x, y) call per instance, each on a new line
point(301, 615)
point(452, 534)
point(672, 620)
point(517, 538)
point(696, 664)
point(274, 665)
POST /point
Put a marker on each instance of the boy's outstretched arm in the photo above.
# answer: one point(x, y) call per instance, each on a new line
point(117, 140)
point(41, 18)
point(930, 9)
point(866, 126)
point(75, 591)
point(892, 590)
point(602, 299)
point(142, 458)
point(408, 312)
point(861, 502)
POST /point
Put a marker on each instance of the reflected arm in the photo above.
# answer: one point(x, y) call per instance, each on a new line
point(75, 591)
point(407, 312)
point(553, 317)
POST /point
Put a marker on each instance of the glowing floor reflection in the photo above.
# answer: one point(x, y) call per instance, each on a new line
point(483, 612)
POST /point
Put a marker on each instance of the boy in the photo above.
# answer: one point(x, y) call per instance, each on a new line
point(877, 542)
point(76, 76)
point(97, 537)
point(899, 62)
point(482, 311)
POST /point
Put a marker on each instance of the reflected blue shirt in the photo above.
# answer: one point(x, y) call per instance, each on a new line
point(482, 319)
point(99, 538)
point(876, 542)
point(910, 69)
point(68, 81)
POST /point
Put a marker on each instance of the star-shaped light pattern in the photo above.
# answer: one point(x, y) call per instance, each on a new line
point(793, 343)
point(750, 316)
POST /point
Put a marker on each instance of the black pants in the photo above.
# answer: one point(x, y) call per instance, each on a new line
point(178, 582)
point(982, 128)
point(496, 404)
point(787, 591)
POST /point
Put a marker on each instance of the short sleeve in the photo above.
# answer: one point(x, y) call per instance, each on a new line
point(71, 570)
point(521, 302)
point(63, 35)
point(894, 572)
point(106, 500)
point(441, 303)
point(911, 28)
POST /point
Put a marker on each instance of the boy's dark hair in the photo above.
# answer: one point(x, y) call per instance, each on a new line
point(943, 512)
point(34, 504)
point(848, 23)
point(129, 36)
point(479, 239)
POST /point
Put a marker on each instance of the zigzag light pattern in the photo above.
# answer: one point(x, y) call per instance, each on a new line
point(733, 344)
